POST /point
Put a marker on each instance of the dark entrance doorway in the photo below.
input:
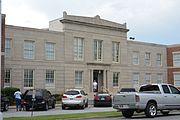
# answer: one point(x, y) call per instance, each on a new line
point(98, 77)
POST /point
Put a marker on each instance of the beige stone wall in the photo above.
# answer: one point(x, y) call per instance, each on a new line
point(65, 65)
point(39, 64)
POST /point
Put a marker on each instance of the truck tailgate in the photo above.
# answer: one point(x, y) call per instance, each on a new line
point(124, 99)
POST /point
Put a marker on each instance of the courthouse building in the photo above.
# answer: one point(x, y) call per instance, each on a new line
point(75, 50)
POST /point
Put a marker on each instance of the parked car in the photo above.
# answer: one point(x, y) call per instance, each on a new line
point(43, 99)
point(4, 103)
point(102, 99)
point(74, 98)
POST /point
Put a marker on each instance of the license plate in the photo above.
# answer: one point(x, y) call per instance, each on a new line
point(123, 106)
point(102, 98)
point(71, 98)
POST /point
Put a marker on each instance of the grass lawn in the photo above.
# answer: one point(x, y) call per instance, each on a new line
point(68, 116)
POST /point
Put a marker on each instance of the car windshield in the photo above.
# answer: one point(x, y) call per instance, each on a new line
point(72, 92)
point(37, 93)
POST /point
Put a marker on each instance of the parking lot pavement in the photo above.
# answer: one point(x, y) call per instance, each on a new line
point(13, 113)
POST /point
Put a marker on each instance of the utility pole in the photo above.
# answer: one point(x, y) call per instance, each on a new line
point(1, 117)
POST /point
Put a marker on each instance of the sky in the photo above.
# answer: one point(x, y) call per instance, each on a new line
point(153, 21)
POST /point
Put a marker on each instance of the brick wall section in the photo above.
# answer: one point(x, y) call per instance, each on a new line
point(170, 55)
point(170, 66)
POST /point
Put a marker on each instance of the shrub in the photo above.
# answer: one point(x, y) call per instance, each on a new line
point(9, 92)
point(58, 97)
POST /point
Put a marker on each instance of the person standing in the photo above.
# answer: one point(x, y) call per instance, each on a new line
point(17, 95)
point(95, 86)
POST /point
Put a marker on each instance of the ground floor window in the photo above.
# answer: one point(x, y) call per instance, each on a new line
point(177, 79)
point(115, 79)
point(28, 77)
point(148, 78)
point(50, 77)
point(7, 80)
point(78, 78)
point(159, 78)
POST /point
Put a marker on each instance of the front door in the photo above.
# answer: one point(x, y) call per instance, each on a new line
point(98, 77)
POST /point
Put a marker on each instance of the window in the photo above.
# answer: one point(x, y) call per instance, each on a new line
point(115, 79)
point(50, 51)
point(7, 79)
point(115, 52)
point(165, 89)
point(148, 78)
point(50, 77)
point(176, 59)
point(177, 79)
point(159, 78)
point(147, 59)
point(135, 78)
point(78, 48)
point(28, 78)
point(28, 49)
point(174, 90)
point(98, 50)
point(158, 59)
point(78, 78)
point(8, 47)
point(135, 58)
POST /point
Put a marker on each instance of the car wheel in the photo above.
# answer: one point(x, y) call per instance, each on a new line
point(27, 108)
point(127, 113)
point(63, 107)
point(53, 105)
point(86, 104)
point(46, 107)
point(151, 110)
point(6, 107)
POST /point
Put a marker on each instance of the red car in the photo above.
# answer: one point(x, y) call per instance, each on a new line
point(102, 99)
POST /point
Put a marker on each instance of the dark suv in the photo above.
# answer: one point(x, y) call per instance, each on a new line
point(43, 99)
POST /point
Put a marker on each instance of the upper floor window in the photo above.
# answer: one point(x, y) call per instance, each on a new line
point(50, 51)
point(78, 78)
point(147, 58)
point(177, 79)
point(176, 59)
point(148, 78)
point(7, 79)
point(98, 50)
point(158, 59)
point(78, 48)
point(28, 77)
point(115, 79)
point(115, 52)
point(135, 58)
point(50, 77)
point(29, 49)
point(8, 47)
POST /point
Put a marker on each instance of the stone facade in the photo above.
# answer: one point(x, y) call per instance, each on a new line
point(111, 75)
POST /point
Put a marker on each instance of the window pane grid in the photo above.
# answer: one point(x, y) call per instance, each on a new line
point(50, 51)
point(78, 48)
point(115, 79)
point(28, 78)
point(98, 50)
point(78, 78)
point(29, 49)
point(49, 76)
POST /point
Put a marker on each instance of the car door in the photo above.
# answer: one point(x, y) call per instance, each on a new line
point(167, 98)
point(176, 96)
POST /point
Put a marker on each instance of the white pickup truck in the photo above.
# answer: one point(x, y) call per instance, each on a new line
point(149, 99)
